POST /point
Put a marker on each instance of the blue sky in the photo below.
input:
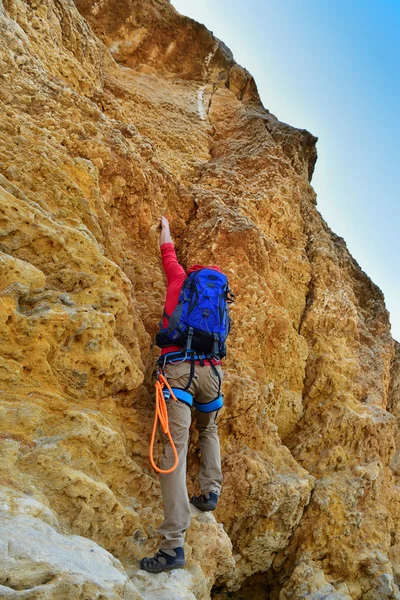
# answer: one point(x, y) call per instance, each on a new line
point(332, 67)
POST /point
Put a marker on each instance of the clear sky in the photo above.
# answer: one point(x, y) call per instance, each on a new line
point(332, 67)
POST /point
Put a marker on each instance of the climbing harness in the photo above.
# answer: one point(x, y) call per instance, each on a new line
point(163, 392)
point(192, 357)
point(182, 394)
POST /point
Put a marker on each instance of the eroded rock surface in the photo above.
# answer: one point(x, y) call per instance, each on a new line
point(113, 113)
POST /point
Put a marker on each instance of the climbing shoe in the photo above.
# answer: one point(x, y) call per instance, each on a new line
point(205, 501)
point(164, 560)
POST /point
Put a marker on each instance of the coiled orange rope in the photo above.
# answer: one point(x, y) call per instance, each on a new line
point(162, 414)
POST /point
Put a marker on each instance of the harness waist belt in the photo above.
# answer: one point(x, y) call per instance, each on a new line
point(173, 357)
point(183, 396)
point(210, 406)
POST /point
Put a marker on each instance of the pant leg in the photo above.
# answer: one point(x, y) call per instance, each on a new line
point(210, 472)
point(173, 485)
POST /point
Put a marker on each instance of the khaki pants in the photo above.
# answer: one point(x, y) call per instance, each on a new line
point(204, 388)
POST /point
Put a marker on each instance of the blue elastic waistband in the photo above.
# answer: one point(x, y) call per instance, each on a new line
point(210, 406)
point(183, 396)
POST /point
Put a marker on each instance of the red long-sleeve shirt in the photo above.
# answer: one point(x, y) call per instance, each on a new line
point(176, 275)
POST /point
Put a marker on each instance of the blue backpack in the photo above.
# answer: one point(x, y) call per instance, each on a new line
point(201, 321)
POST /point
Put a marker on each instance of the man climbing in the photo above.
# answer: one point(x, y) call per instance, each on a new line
point(195, 378)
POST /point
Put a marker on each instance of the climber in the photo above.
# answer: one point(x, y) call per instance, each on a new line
point(195, 378)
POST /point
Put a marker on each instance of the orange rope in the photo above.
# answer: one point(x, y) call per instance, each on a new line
point(162, 414)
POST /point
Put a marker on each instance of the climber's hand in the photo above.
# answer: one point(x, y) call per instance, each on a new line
point(165, 236)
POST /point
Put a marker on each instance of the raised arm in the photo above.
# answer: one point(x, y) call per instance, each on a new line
point(173, 270)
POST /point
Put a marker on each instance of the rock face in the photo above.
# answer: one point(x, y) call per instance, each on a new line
point(113, 113)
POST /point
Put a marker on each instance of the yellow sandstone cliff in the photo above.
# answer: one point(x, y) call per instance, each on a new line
point(111, 114)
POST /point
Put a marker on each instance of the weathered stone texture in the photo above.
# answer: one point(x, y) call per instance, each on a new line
point(112, 114)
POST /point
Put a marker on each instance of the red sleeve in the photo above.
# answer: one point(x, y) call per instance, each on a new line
point(172, 268)
point(175, 277)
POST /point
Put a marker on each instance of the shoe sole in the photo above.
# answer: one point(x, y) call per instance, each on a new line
point(204, 508)
point(164, 570)
point(169, 568)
